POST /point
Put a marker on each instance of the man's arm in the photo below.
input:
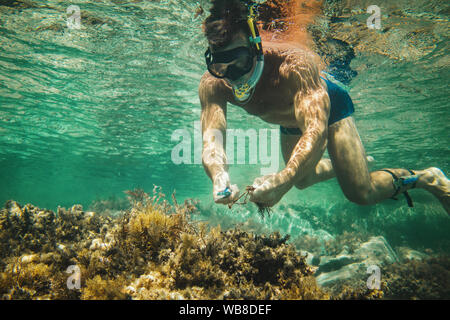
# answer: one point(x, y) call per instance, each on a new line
point(214, 124)
point(312, 107)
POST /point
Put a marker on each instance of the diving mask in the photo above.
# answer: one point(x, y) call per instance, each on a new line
point(231, 64)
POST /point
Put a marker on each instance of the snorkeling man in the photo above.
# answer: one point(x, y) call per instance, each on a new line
point(284, 86)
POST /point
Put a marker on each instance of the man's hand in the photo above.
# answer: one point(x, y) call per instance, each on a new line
point(270, 189)
point(223, 191)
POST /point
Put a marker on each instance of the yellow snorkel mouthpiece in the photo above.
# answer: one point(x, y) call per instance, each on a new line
point(241, 93)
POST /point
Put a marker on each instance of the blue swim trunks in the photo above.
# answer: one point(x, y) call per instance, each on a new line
point(341, 107)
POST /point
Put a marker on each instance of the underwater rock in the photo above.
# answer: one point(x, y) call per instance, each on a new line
point(310, 258)
point(14, 209)
point(406, 253)
point(336, 53)
point(407, 33)
point(57, 27)
point(29, 258)
point(349, 271)
point(328, 264)
point(97, 243)
point(323, 235)
point(89, 19)
point(376, 251)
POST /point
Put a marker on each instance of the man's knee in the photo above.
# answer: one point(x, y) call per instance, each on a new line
point(300, 185)
point(359, 196)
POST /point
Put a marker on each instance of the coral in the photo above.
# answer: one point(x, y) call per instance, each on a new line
point(26, 228)
point(37, 246)
point(25, 280)
point(356, 290)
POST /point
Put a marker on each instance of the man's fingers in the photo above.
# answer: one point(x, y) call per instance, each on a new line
point(254, 195)
point(222, 200)
point(234, 192)
point(258, 182)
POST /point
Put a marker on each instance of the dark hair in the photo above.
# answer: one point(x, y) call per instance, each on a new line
point(227, 17)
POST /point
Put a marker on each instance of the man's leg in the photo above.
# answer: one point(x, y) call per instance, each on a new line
point(349, 161)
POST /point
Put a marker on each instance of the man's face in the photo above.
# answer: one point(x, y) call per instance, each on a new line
point(239, 40)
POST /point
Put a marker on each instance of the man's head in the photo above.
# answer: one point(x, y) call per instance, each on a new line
point(235, 50)
point(228, 35)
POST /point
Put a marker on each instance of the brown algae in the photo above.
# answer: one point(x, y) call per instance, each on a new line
point(153, 251)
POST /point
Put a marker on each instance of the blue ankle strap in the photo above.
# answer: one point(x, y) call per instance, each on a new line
point(400, 182)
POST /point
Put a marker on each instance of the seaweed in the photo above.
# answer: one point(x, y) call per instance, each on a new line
point(413, 279)
point(154, 250)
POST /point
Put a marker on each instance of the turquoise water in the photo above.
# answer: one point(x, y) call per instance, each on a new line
point(86, 114)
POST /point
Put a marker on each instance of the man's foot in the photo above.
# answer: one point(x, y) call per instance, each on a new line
point(435, 181)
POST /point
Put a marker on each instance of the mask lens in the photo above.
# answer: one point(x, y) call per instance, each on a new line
point(231, 64)
point(244, 63)
point(234, 73)
point(218, 69)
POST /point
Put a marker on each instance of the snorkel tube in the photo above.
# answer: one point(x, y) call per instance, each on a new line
point(243, 92)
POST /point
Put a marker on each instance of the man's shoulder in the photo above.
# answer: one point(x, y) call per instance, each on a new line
point(296, 64)
point(210, 86)
point(210, 83)
point(209, 80)
point(290, 49)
